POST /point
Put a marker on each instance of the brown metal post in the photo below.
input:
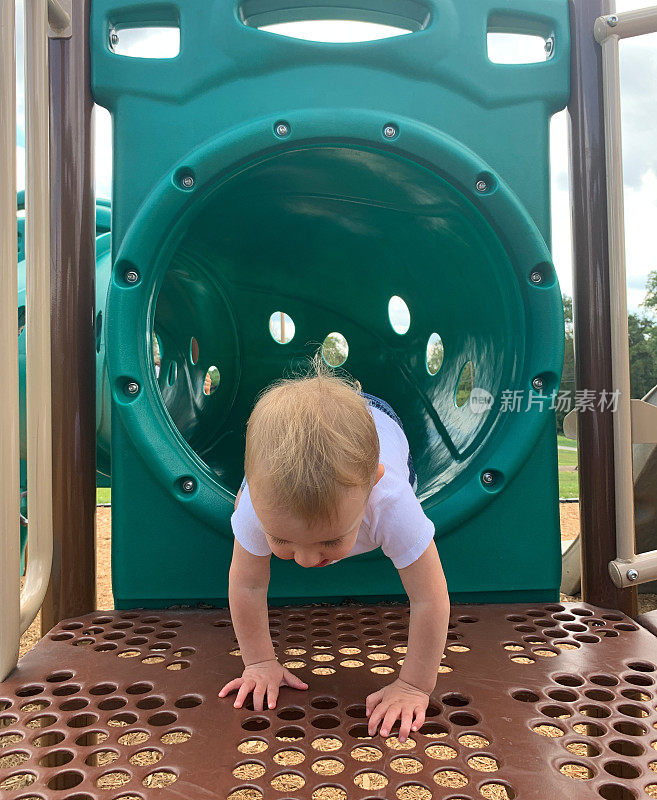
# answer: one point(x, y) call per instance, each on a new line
point(591, 310)
point(73, 269)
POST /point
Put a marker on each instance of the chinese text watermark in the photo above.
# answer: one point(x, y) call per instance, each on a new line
point(517, 400)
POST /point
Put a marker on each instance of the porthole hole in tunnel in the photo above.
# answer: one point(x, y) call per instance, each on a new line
point(465, 384)
point(157, 355)
point(435, 353)
point(399, 315)
point(281, 327)
point(193, 350)
point(211, 381)
point(99, 330)
point(335, 349)
point(311, 239)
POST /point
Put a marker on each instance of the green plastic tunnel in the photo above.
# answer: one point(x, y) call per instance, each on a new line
point(328, 236)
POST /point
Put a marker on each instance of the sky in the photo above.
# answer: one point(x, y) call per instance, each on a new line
point(638, 70)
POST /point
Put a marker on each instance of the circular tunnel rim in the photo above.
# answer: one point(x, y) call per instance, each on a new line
point(130, 308)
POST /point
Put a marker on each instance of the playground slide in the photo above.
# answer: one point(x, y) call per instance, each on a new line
point(645, 513)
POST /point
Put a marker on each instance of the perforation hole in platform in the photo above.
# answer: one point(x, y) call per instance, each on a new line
point(18, 780)
point(367, 753)
point(160, 779)
point(287, 782)
point(135, 688)
point(290, 734)
point(13, 759)
point(327, 744)
point(441, 752)
point(327, 766)
point(175, 737)
point(329, 793)
point(413, 791)
point(251, 746)
point(371, 780)
point(249, 770)
point(452, 778)
point(289, 757)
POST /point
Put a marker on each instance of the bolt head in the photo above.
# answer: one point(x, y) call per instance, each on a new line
point(390, 131)
point(132, 387)
point(612, 21)
point(114, 38)
point(282, 129)
point(549, 46)
point(187, 181)
point(536, 277)
point(481, 186)
point(131, 276)
point(537, 383)
point(188, 485)
point(488, 477)
point(632, 574)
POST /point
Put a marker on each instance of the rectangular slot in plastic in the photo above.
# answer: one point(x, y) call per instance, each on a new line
point(397, 16)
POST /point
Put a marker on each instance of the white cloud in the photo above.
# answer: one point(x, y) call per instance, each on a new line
point(638, 69)
point(103, 147)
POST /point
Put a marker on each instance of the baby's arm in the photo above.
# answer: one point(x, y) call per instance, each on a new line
point(247, 594)
point(407, 697)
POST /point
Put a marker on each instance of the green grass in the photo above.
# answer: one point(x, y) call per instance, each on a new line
point(103, 496)
point(568, 484)
point(563, 442)
point(567, 458)
point(568, 481)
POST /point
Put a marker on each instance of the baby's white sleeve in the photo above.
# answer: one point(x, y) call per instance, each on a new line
point(247, 528)
point(403, 529)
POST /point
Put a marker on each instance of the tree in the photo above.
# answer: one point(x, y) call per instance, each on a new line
point(642, 340)
point(650, 300)
point(643, 356)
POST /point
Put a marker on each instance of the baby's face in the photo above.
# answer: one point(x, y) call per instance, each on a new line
point(318, 544)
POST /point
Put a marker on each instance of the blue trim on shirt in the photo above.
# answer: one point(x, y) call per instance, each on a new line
point(377, 402)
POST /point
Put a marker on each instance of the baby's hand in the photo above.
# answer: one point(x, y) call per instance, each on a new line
point(400, 701)
point(262, 678)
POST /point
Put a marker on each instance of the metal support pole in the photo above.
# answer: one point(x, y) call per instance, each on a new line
point(73, 580)
point(37, 312)
point(591, 310)
point(9, 473)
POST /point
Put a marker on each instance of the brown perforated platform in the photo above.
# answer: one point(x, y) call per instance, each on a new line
point(536, 703)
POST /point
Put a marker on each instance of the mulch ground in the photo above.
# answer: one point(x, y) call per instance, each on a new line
point(104, 600)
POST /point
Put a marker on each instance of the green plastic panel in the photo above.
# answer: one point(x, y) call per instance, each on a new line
point(226, 218)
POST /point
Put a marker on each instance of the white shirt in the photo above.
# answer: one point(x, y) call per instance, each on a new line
point(393, 519)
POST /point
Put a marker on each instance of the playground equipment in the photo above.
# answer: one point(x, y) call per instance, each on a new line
point(259, 199)
point(103, 266)
point(644, 468)
point(325, 206)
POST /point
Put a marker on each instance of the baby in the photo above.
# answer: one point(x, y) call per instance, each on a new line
point(327, 476)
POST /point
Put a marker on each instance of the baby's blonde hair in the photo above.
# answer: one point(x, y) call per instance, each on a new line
point(307, 439)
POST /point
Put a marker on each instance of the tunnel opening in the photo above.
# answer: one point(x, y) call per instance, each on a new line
point(317, 241)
